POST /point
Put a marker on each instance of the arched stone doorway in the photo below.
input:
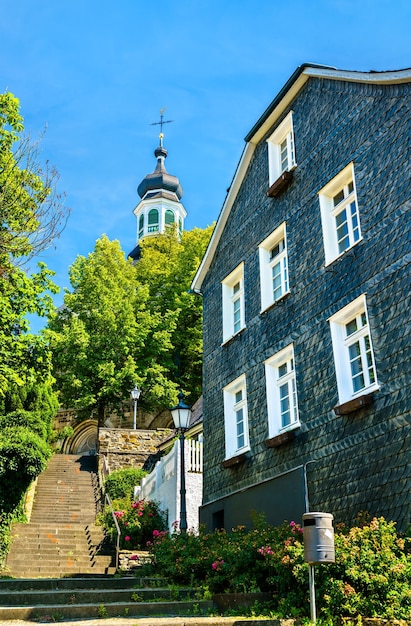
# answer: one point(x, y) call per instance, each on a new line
point(83, 439)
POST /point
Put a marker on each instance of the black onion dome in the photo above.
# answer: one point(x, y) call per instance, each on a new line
point(160, 178)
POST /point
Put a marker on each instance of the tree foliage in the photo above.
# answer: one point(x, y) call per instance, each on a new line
point(167, 267)
point(32, 214)
point(96, 335)
point(123, 323)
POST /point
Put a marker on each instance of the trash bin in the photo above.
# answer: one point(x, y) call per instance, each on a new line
point(318, 533)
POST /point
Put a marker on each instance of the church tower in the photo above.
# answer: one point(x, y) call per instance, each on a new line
point(160, 205)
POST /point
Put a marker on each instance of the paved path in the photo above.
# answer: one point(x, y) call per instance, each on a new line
point(153, 621)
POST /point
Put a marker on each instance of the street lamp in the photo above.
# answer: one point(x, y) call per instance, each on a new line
point(135, 394)
point(181, 416)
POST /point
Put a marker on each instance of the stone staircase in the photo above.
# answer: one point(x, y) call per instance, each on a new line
point(61, 538)
point(54, 600)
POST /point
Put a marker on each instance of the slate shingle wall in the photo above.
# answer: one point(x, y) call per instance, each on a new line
point(362, 460)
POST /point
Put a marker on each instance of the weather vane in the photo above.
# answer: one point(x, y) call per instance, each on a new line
point(161, 124)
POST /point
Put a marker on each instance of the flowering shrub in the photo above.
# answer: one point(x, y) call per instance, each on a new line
point(370, 578)
point(138, 522)
point(372, 573)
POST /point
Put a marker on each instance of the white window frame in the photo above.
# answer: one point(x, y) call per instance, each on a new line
point(281, 149)
point(278, 382)
point(360, 340)
point(236, 417)
point(274, 263)
point(347, 207)
point(233, 303)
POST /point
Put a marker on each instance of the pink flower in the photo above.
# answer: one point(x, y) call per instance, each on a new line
point(134, 557)
point(127, 538)
point(216, 565)
point(292, 524)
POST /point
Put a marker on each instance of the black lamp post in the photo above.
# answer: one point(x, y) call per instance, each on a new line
point(181, 417)
point(135, 394)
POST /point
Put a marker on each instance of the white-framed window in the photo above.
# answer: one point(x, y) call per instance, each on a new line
point(353, 353)
point(236, 417)
point(233, 303)
point(153, 221)
point(281, 387)
point(273, 267)
point(339, 214)
point(141, 226)
point(281, 150)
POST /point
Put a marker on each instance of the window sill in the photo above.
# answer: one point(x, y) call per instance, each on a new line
point(279, 440)
point(354, 405)
point(280, 184)
point(273, 304)
point(229, 339)
point(239, 459)
point(342, 254)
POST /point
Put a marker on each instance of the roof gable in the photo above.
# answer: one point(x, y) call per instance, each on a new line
point(267, 120)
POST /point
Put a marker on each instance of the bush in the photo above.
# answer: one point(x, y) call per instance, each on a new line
point(23, 456)
point(372, 573)
point(121, 483)
point(137, 521)
point(27, 419)
point(370, 578)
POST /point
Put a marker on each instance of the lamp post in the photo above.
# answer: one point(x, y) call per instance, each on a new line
point(181, 417)
point(135, 394)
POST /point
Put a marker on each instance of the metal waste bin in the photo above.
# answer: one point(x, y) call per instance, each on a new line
point(318, 532)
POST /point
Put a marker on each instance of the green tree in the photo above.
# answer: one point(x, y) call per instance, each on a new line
point(32, 214)
point(123, 323)
point(101, 332)
point(167, 267)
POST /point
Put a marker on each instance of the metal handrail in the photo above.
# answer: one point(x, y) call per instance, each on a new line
point(108, 501)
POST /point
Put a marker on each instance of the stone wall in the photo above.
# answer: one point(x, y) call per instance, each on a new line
point(130, 448)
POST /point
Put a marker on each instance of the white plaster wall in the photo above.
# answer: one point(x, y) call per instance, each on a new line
point(163, 485)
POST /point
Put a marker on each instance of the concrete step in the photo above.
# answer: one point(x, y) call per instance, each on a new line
point(86, 596)
point(61, 538)
point(83, 582)
point(83, 598)
point(75, 611)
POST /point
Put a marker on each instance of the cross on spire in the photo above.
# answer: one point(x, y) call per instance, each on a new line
point(161, 124)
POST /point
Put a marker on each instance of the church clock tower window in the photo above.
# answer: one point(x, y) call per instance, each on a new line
point(141, 226)
point(169, 218)
point(153, 221)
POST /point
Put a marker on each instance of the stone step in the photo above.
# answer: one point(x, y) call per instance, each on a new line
point(93, 597)
point(61, 538)
point(85, 596)
point(103, 609)
point(83, 582)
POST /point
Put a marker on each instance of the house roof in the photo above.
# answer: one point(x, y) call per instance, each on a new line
point(267, 120)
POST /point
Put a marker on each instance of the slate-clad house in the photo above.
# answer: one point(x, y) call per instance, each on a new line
point(306, 289)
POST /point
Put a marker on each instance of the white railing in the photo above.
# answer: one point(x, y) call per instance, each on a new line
point(195, 456)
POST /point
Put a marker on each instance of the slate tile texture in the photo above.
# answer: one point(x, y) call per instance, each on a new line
point(357, 462)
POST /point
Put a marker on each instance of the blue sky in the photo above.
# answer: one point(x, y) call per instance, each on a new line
point(98, 73)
